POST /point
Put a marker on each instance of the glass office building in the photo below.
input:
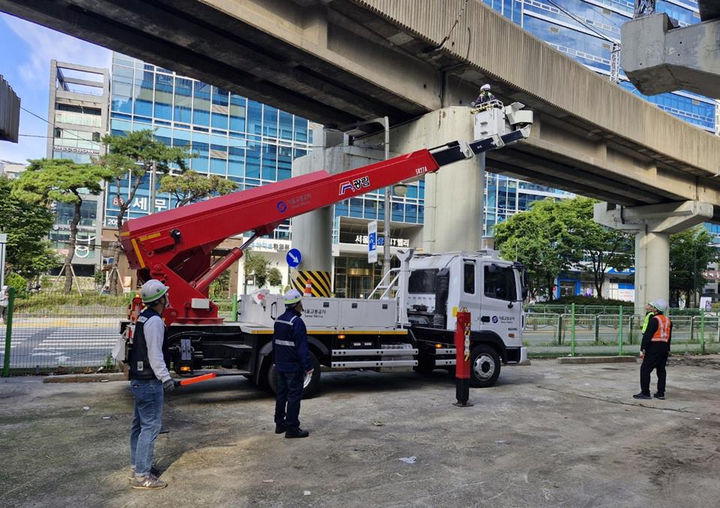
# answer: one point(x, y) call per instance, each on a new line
point(229, 135)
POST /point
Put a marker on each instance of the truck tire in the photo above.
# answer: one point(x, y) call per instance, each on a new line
point(312, 383)
point(484, 366)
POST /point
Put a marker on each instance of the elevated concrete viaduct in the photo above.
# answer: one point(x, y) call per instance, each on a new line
point(339, 61)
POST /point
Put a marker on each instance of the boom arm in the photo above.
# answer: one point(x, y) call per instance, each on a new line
point(175, 245)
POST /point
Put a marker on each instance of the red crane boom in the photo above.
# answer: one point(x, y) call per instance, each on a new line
point(175, 246)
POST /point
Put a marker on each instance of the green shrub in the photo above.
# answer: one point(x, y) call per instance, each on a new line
point(19, 283)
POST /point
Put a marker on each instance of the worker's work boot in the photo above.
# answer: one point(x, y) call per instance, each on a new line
point(280, 428)
point(641, 395)
point(293, 433)
point(660, 396)
point(148, 482)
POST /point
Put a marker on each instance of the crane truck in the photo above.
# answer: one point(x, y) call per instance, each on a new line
point(408, 321)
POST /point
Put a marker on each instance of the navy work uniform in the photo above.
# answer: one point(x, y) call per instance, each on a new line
point(292, 362)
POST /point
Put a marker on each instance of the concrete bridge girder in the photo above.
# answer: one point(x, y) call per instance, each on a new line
point(658, 57)
point(652, 226)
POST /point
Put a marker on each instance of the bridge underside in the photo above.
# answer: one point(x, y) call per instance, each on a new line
point(339, 61)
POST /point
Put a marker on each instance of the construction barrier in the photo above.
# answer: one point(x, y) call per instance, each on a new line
point(312, 282)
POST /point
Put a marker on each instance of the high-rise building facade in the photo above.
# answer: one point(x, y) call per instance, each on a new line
point(77, 120)
point(247, 142)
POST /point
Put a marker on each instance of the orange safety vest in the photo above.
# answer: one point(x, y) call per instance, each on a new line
point(662, 334)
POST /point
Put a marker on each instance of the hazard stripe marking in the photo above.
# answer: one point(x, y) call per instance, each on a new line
point(319, 282)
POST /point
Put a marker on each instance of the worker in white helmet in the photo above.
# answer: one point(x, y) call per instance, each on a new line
point(292, 364)
point(149, 378)
point(654, 349)
point(484, 97)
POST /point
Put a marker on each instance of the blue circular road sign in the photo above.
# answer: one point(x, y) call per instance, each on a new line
point(293, 258)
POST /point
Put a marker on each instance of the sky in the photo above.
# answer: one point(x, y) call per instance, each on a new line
point(26, 50)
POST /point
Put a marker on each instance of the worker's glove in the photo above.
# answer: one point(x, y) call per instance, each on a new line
point(168, 385)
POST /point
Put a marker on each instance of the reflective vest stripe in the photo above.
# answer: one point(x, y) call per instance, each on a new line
point(286, 322)
point(284, 343)
point(662, 334)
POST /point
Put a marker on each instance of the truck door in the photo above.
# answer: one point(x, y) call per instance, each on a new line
point(470, 293)
point(502, 305)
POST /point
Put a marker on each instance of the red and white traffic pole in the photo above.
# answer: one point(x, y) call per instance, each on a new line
point(462, 359)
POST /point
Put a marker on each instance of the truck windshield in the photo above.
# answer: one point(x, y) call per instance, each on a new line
point(422, 281)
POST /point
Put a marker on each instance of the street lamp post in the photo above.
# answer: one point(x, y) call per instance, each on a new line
point(356, 127)
point(388, 211)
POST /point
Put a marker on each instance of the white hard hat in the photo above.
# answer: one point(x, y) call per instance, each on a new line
point(152, 290)
point(485, 87)
point(659, 304)
point(292, 297)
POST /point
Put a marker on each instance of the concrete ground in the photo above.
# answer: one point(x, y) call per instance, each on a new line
point(546, 435)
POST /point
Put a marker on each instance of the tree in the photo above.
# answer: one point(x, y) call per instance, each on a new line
point(691, 251)
point(65, 181)
point(274, 276)
point(539, 239)
point(190, 186)
point(604, 247)
point(135, 155)
point(27, 226)
point(555, 236)
point(256, 266)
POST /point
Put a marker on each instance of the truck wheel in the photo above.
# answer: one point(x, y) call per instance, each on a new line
point(311, 384)
point(484, 366)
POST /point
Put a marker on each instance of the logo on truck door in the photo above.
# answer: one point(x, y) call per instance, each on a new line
point(354, 185)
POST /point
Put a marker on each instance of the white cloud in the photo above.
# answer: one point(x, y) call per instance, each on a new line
point(44, 44)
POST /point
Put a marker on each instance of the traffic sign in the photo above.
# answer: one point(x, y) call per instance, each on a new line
point(372, 241)
point(293, 258)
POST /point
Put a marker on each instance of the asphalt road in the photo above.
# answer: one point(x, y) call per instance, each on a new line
point(52, 346)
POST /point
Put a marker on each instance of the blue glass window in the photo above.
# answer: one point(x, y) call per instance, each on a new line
point(356, 207)
point(286, 123)
point(236, 162)
point(284, 163)
point(270, 121)
point(201, 104)
point(252, 163)
point(301, 130)
point(254, 118)
point(269, 163)
point(183, 100)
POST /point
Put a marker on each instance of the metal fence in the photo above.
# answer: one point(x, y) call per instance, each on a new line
point(53, 333)
point(603, 334)
point(49, 332)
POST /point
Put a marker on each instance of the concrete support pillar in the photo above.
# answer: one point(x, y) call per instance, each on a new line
point(312, 232)
point(454, 195)
point(652, 268)
point(652, 226)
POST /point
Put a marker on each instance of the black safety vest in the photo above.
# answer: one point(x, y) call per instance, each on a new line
point(139, 362)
